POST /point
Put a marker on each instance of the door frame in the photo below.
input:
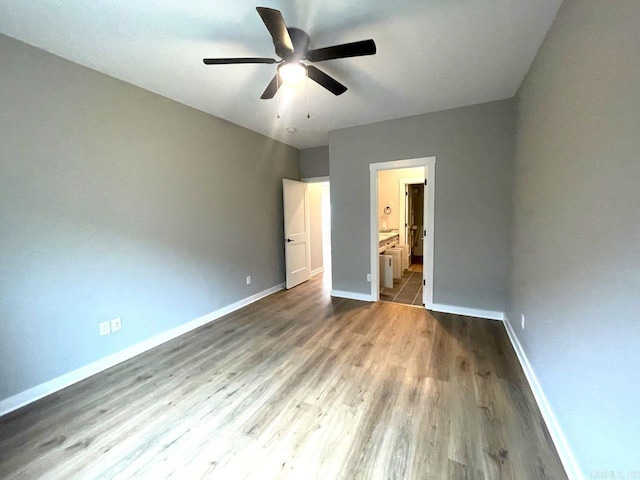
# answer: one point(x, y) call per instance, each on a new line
point(429, 222)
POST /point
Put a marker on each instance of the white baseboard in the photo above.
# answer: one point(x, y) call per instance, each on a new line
point(351, 295)
point(317, 271)
point(36, 393)
point(469, 312)
point(559, 440)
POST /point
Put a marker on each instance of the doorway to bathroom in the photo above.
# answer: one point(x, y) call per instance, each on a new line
point(408, 288)
point(402, 201)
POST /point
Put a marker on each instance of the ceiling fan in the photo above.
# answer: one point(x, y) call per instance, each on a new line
point(292, 47)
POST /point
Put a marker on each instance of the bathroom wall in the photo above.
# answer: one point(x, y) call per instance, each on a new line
point(389, 194)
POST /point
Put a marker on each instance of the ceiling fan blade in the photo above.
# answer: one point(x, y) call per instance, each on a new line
point(271, 89)
point(278, 29)
point(230, 61)
point(325, 80)
point(355, 49)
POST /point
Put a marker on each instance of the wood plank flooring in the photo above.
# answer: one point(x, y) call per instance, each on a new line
point(302, 386)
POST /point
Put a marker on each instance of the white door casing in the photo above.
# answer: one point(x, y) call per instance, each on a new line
point(296, 233)
point(429, 222)
point(428, 234)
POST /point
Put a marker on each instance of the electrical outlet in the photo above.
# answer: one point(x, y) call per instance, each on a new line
point(116, 324)
point(368, 277)
point(105, 328)
point(522, 320)
point(248, 279)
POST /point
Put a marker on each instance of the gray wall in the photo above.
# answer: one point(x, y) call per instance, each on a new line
point(314, 162)
point(117, 202)
point(473, 147)
point(575, 259)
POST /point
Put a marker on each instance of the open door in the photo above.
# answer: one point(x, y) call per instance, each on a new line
point(296, 232)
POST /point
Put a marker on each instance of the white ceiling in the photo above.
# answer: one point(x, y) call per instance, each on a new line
point(432, 54)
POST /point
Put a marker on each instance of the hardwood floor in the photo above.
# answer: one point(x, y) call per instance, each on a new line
point(298, 385)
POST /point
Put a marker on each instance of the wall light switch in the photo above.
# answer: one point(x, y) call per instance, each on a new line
point(248, 279)
point(105, 329)
point(368, 277)
point(522, 320)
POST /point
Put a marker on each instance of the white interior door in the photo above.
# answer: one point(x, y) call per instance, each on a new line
point(296, 232)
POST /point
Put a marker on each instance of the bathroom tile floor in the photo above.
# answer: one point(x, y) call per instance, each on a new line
point(407, 290)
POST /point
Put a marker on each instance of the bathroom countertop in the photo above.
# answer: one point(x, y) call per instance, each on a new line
point(384, 236)
point(387, 240)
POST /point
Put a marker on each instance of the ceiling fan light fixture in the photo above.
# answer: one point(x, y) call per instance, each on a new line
point(292, 73)
point(292, 45)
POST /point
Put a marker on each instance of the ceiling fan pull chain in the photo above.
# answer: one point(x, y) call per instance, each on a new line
point(277, 96)
point(307, 83)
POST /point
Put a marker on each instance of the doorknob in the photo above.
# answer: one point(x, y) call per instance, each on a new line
point(289, 240)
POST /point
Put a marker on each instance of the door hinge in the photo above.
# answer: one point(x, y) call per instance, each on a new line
point(425, 233)
point(425, 181)
point(406, 194)
point(424, 282)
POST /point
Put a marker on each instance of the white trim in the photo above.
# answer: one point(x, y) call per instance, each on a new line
point(428, 246)
point(564, 452)
point(315, 179)
point(469, 312)
point(317, 271)
point(36, 393)
point(351, 295)
point(430, 174)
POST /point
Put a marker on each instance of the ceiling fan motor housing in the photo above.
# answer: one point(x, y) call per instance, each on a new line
point(300, 41)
